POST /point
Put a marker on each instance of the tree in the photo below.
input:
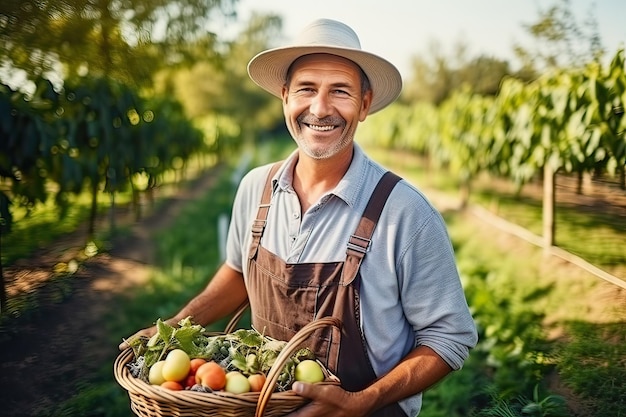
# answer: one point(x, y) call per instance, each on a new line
point(560, 40)
point(27, 135)
point(217, 91)
point(126, 40)
point(437, 76)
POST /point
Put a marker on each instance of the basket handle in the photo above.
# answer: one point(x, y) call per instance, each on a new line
point(230, 327)
point(296, 341)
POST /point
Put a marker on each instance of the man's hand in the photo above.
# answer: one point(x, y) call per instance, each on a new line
point(330, 400)
point(147, 332)
point(223, 294)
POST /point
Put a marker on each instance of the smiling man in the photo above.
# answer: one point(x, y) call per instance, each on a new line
point(329, 232)
point(323, 103)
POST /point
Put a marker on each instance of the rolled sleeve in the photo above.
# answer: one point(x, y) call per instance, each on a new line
point(433, 297)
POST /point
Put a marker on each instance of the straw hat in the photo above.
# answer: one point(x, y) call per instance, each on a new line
point(269, 68)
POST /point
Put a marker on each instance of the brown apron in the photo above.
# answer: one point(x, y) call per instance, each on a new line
point(284, 297)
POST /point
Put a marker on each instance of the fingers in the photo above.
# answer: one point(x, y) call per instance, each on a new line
point(126, 342)
point(318, 405)
point(301, 388)
point(317, 391)
point(147, 333)
point(328, 399)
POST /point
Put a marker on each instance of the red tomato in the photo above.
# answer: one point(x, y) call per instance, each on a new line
point(256, 382)
point(211, 375)
point(173, 385)
point(194, 364)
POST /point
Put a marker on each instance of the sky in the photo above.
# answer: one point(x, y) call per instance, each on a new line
point(400, 29)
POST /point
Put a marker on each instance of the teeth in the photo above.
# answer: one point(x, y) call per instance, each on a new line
point(321, 128)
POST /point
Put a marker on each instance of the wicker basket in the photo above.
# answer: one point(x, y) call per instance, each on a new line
point(152, 401)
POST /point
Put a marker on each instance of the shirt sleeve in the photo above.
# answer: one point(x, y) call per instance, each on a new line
point(244, 210)
point(433, 297)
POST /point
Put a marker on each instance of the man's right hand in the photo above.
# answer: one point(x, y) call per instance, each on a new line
point(147, 333)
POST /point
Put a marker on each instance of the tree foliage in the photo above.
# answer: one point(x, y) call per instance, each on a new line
point(126, 40)
point(219, 93)
point(570, 119)
point(94, 135)
point(436, 76)
point(560, 40)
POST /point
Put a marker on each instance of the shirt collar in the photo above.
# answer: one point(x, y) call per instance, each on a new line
point(348, 188)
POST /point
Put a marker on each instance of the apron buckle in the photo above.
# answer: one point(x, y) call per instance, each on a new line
point(257, 227)
point(359, 244)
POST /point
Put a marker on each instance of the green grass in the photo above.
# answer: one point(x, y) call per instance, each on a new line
point(593, 363)
point(41, 225)
point(596, 236)
point(532, 322)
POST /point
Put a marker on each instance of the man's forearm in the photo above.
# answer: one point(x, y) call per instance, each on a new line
point(224, 293)
point(419, 370)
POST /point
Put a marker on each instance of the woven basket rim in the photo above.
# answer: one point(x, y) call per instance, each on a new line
point(250, 401)
point(184, 397)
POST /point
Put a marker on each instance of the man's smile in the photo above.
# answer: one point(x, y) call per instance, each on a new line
point(320, 128)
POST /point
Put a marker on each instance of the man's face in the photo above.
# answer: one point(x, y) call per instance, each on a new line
point(323, 104)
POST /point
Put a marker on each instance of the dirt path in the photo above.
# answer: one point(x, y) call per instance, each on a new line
point(63, 340)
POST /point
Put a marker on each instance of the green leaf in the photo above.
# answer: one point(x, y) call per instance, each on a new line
point(247, 337)
point(238, 359)
point(165, 330)
point(185, 337)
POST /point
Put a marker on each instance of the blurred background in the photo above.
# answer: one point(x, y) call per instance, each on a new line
point(511, 119)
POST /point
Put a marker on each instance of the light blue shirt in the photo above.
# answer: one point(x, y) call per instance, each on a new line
point(410, 292)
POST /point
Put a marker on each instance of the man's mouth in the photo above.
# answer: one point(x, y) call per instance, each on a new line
point(320, 128)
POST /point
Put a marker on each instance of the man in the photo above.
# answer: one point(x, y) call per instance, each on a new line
point(326, 232)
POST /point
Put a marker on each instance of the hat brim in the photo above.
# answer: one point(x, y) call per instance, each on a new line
point(268, 69)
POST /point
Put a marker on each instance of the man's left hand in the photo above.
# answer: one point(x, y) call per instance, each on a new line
point(329, 400)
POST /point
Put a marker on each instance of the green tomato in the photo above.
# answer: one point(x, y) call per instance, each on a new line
point(236, 383)
point(309, 371)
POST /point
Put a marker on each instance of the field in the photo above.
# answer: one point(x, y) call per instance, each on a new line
point(71, 335)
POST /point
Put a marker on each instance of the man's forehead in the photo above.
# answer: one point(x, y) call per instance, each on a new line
point(323, 60)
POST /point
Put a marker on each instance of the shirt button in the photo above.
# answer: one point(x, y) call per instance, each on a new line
point(296, 215)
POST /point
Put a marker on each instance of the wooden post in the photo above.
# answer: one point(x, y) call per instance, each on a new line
point(549, 202)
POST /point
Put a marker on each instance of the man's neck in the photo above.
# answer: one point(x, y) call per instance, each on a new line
point(312, 178)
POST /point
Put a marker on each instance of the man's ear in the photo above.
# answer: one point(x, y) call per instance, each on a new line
point(284, 94)
point(366, 103)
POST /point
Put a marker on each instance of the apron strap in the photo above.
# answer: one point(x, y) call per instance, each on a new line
point(359, 242)
point(258, 225)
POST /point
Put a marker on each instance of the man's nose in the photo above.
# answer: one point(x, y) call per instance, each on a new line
point(320, 106)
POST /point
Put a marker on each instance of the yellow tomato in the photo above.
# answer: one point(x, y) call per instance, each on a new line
point(176, 366)
point(155, 376)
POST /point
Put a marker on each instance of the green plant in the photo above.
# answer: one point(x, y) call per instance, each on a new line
point(592, 362)
point(549, 406)
point(512, 343)
point(539, 406)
